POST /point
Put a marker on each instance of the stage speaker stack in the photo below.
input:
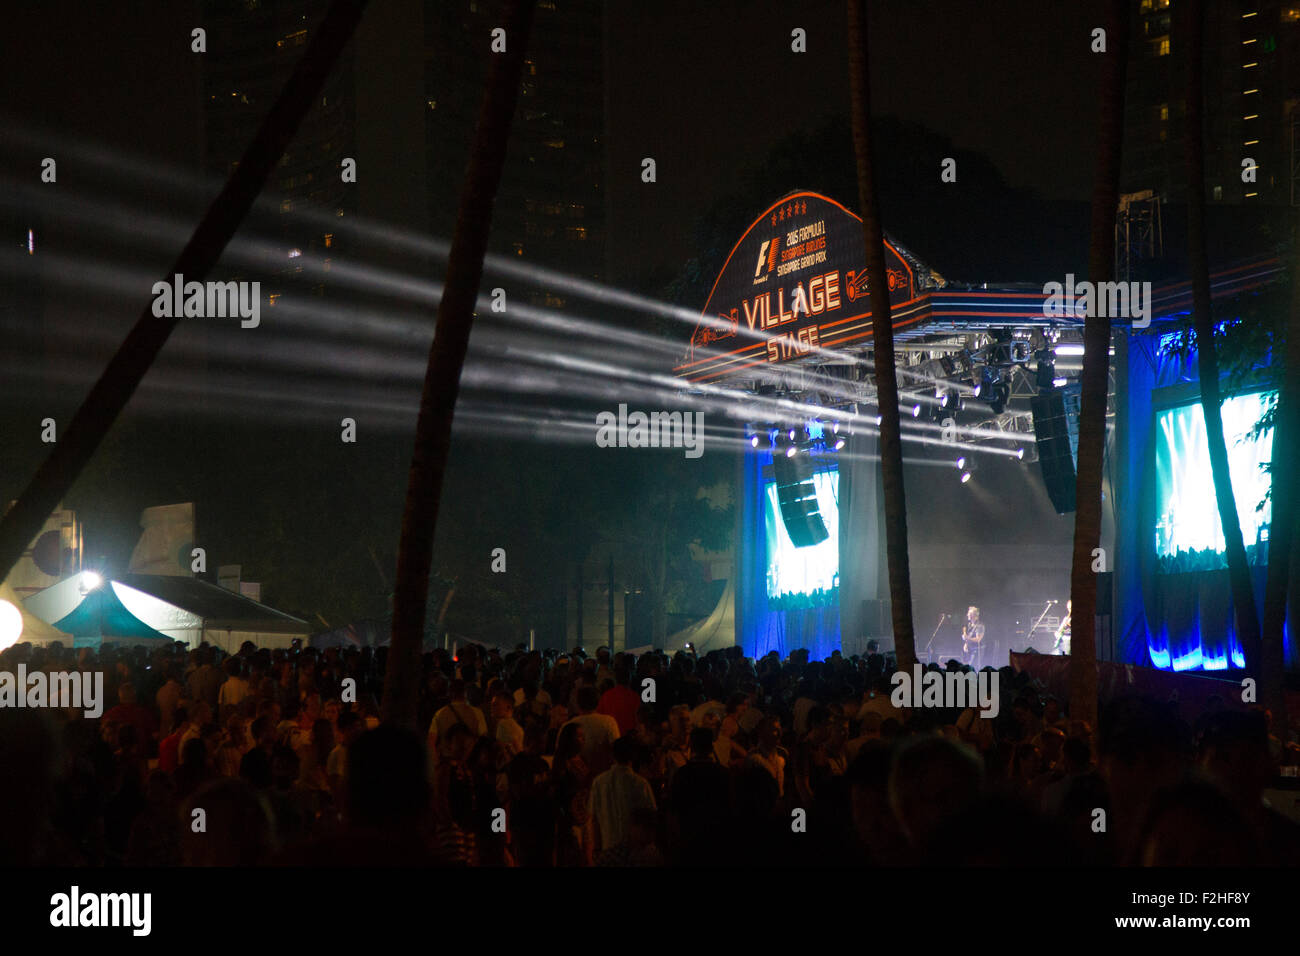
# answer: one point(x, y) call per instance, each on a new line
point(1056, 427)
point(798, 499)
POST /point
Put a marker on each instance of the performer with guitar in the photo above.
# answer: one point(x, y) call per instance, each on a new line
point(1062, 645)
point(972, 636)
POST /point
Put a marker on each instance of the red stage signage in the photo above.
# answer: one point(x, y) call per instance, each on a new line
point(795, 274)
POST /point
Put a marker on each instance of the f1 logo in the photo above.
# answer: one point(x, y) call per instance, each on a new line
point(767, 255)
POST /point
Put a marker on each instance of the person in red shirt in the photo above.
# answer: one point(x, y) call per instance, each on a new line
point(169, 746)
point(621, 701)
point(129, 712)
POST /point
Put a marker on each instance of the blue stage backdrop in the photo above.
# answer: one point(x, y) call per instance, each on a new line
point(1173, 600)
point(792, 598)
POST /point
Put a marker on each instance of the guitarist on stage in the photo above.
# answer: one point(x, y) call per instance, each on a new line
point(972, 637)
point(1062, 645)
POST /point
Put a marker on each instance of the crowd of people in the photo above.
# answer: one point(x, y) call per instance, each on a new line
point(561, 759)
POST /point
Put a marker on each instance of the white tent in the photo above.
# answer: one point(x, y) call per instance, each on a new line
point(716, 631)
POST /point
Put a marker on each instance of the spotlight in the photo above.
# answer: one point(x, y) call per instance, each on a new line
point(879, 419)
point(916, 411)
point(1070, 348)
point(1059, 382)
point(840, 442)
point(965, 477)
point(961, 462)
point(90, 580)
point(791, 451)
point(753, 440)
point(1020, 453)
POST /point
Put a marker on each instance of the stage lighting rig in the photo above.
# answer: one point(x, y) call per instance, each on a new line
point(1046, 373)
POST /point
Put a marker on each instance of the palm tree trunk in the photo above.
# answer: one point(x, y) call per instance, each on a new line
point(1207, 360)
point(1282, 531)
point(1096, 372)
point(882, 337)
point(446, 358)
point(135, 356)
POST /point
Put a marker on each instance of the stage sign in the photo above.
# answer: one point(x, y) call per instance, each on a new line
point(796, 276)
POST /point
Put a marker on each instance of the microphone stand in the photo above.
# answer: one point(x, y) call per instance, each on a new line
point(1034, 629)
point(926, 651)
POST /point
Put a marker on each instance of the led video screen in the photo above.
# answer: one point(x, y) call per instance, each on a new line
point(1188, 533)
point(810, 573)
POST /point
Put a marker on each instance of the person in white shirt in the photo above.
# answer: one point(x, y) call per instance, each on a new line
point(235, 689)
point(506, 730)
point(599, 731)
point(615, 795)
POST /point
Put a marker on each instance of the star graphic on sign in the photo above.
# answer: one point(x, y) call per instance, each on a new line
point(803, 208)
point(782, 215)
point(774, 219)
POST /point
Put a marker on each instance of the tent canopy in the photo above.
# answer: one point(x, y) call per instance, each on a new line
point(102, 617)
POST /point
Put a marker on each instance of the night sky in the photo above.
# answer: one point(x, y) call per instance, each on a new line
point(706, 89)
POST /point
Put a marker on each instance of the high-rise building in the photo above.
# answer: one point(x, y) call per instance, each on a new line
point(252, 49)
point(550, 205)
point(1251, 74)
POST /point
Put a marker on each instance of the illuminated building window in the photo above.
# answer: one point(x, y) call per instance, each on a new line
point(339, 213)
point(1218, 192)
point(286, 205)
point(295, 253)
point(1164, 112)
point(329, 239)
point(577, 232)
point(555, 143)
point(297, 38)
point(1162, 46)
point(433, 104)
point(532, 68)
point(553, 301)
point(327, 265)
point(1291, 15)
point(275, 296)
point(519, 248)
